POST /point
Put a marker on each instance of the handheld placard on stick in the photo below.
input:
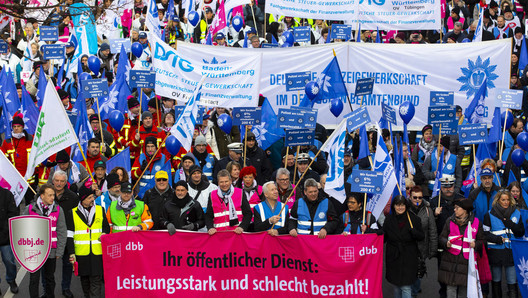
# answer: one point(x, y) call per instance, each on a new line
point(100, 124)
point(438, 161)
point(245, 145)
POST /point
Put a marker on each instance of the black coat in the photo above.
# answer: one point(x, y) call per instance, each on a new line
point(91, 264)
point(448, 208)
point(222, 164)
point(8, 209)
point(401, 252)
point(192, 214)
point(68, 200)
point(259, 159)
point(156, 202)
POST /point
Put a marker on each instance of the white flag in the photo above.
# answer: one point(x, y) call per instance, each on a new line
point(335, 147)
point(477, 36)
point(473, 280)
point(11, 179)
point(152, 20)
point(382, 163)
point(183, 129)
point(54, 131)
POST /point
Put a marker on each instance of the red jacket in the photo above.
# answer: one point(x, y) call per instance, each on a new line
point(17, 151)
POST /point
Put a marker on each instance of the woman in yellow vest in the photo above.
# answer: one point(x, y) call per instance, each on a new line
point(86, 224)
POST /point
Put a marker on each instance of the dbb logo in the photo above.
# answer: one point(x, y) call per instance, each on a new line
point(159, 53)
point(368, 251)
point(134, 246)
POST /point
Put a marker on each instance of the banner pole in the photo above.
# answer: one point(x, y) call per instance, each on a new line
point(148, 164)
point(245, 146)
point(348, 97)
point(286, 158)
point(85, 161)
point(364, 209)
point(100, 124)
point(409, 218)
point(254, 22)
point(295, 167)
point(438, 162)
point(158, 112)
point(503, 135)
point(140, 108)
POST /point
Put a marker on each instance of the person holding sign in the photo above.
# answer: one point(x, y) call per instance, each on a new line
point(352, 220)
point(147, 165)
point(482, 197)
point(270, 212)
point(448, 166)
point(311, 214)
point(228, 208)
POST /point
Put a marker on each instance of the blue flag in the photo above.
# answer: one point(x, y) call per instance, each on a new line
point(358, 33)
point(60, 75)
point(122, 159)
point(42, 83)
point(383, 123)
point(84, 25)
point(335, 147)
point(523, 55)
point(170, 11)
point(6, 120)
point(363, 143)
point(481, 154)
point(84, 133)
point(520, 258)
point(10, 93)
point(30, 111)
point(328, 37)
point(378, 37)
point(245, 45)
point(331, 84)
point(123, 66)
point(495, 129)
point(436, 187)
point(475, 111)
point(144, 101)
point(267, 132)
point(209, 39)
point(116, 99)
point(406, 136)
point(273, 40)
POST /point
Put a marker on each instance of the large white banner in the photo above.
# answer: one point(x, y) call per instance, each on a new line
point(232, 74)
point(335, 10)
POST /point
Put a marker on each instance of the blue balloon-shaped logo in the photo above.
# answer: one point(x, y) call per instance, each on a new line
point(522, 140)
point(225, 123)
point(336, 106)
point(116, 119)
point(311, 89)
point(237, 23)
point(517, 157)
point(173, 145)
point(407, 111)
point(509, 119)
point(85, 76)
point(287, 37)
point(137, 49)
point(94, 64)
point(193, 18)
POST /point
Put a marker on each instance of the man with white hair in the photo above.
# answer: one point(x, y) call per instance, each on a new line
point(270, 215)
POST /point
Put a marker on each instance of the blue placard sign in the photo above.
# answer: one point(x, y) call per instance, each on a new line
point(441, 114)
point(472, 134)
point(389, 113)
point(509, 99)
point(343, 32)
point(142, 79)
point(299, 137)
point(199, 116)
point(302, 34)
point(448, 128)
point(296, 119)
point(95, 88)
point(310, 115)
point(115, 45)
point(49, 33)
point(364, 86)
point(269, 45)
point(53, 51)
point(3, 47)
point(296, 81)
point(442, 98)
point(246, 116)
point(357, 118)
point(366, 181)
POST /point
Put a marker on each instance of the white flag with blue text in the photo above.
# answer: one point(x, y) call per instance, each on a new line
point(335, 147)
point(152, 21)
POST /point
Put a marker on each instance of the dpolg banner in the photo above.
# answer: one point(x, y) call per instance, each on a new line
point(191, 264)
point(232, 78)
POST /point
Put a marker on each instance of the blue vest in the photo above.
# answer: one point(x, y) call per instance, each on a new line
point(147, 180)
point(305, 224)
point(208, 167)
point(508, 144)
point(265, 212)
point(449, 167)
point(104, 200)
point(482, 205)
point(498, 228)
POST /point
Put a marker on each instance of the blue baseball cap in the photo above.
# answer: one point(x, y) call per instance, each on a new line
point(486, 172)
point(251, 30)
point(175, 18)
point(143, 35)
point(219, 35)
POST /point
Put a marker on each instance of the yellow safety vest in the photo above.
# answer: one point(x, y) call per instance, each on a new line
point(86, 238)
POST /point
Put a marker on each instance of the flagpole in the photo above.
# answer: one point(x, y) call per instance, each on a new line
point(140, 108)
point(408, 217)
point(158, 112)
point(245, 146)
point(254, 22)
point(295, 167)
point(364, 210)
point(151, 159)
point(85, 161)
point(503, 135)
point(100, 124)
point(286, 158)
point(438, 162)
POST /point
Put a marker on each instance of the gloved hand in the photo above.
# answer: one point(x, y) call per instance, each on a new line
point(73, 259)
point(144, 165)
point(188, 227)
point(171, 228)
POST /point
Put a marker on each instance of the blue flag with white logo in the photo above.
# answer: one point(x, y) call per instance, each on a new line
point(520, 258)
point(495, 129)
point(330, 81)
point(9, 92)
point(42, 83)
point(29, 111)
point(84, 26)
point(122, 159)
point(6, 120)
point(267, 132)
point(523, 55)
point(116, 99)
point(364, 150)
point(475, 111)
point(335, 147)
point(84, 133)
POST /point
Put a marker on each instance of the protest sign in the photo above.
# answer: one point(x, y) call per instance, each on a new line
point(190, 264)
point(389, 113)
point(53, 51)
point(320, 10)
point(49, 33)
point(364, 86)
point(297, 81)
point(269, 45)
point(94, 88)
point(142, 78)
point(343, 32)
point(507, 98)
point(246, 116)
point(115, 45)
point(366, 181)
point(299, 137)
point(472, 134)
point(291, 119)
point(3, 47)
point(357, 118)
point(302, 34)
point(442, 98)
point(444, 116)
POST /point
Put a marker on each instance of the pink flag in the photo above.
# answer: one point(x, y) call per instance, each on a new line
point(219, 21)
point(239, 11)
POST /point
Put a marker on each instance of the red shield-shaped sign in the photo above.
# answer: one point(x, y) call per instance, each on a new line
point(30, 237)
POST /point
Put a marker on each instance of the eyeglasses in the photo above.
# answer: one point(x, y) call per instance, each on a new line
point(284, 179)
point(417, 198)
point(161, 179)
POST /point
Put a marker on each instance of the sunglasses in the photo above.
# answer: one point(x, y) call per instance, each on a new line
point(161, 179)
point(417, 198)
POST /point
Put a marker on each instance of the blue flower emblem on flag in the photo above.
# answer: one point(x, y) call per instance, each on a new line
point(474, 75)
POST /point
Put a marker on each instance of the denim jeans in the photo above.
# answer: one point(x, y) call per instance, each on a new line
point(9, 261)
point(496, 274)
point(402, 291)
point(416, 286)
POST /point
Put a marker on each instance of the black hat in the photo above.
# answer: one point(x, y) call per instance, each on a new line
point(493, 4)
point(487, 14)
point(426, 128)
point(456, 10)
point(466, 204)
point(62, 94)
point(85, 192)
point(507, 9)
point(105, 47)
point(99, 164)
point(94, 117)
point(126, 187)
point(132, 102)
point(143, 34)
point(18, 118)
point(112, 180)
point(250, 136)
point(208, 9)
point(152, 103)
point(518, 30)
point(195, 168)
point(181, 183)
point(348, 152)
point(445, 141)
point(37, 64)
point(62, 157)
point(188, 156)
point(458, 108)
point(151, 140)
